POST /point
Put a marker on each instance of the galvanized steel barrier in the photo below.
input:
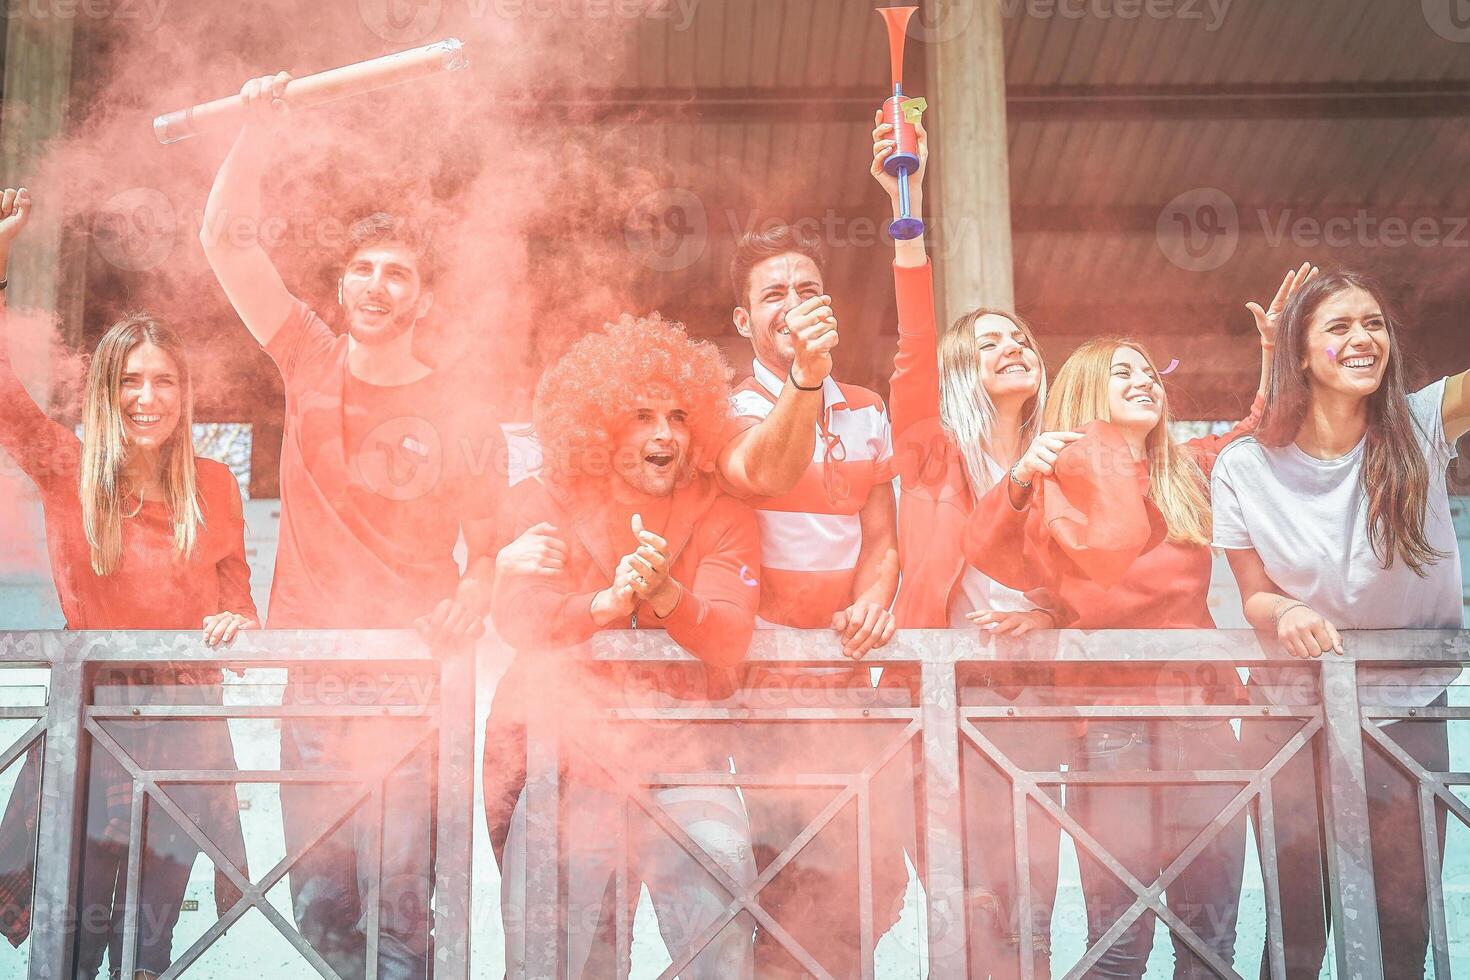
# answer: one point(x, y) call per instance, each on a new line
point(73, 657)
point(1334, 715)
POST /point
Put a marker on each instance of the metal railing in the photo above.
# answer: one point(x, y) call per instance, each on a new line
point(73, 659)
point(1329, 711)
point(931, 713)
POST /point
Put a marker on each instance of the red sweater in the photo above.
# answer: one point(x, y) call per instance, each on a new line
point(935, 500)
point(153, 588)
point(1093, 541)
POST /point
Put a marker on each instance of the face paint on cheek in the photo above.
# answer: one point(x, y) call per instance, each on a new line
point(1332, 353)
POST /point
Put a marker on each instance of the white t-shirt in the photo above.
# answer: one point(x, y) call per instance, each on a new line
point(1308, 520)
point(978, 592)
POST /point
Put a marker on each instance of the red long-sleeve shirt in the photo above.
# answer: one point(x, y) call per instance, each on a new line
point(935, 499)
point(1150, 582)
point(1098, 549)
point(153, 587)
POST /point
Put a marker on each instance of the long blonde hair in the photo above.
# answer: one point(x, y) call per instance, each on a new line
point(1176, 482)
point(966, 412)
point(105, 444)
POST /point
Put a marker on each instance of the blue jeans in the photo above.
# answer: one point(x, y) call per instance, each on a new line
point(330, 880)
point(686, 899)
point(992, 907)
point(1146, 828)
point(167, 853)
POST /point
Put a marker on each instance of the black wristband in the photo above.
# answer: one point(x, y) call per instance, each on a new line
point(792, 378)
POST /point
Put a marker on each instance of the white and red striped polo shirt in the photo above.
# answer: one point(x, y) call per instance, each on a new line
point(811, 535)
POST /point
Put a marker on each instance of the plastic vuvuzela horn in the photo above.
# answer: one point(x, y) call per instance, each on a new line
point(327, 86)
point(905, 158)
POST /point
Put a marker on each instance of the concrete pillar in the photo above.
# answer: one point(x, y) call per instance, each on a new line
point(48, 268)
point(969, 192)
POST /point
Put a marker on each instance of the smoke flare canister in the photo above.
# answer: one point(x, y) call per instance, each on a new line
point(328, 86)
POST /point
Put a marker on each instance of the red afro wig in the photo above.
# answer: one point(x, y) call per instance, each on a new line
point(582, 399)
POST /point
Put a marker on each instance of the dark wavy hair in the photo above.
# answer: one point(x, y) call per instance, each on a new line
point(583, 399)
point(755, 247)
point(1395, 472)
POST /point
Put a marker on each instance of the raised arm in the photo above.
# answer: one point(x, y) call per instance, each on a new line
point(36, 441)
point(240, 263)
point(1268, 320)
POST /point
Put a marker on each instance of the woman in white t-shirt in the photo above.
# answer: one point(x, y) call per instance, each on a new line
point(1336, 516)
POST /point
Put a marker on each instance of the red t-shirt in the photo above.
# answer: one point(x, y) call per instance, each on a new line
point(153, 587)
point(375, 482)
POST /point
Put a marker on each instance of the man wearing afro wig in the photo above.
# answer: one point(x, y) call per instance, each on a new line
point(625, 527)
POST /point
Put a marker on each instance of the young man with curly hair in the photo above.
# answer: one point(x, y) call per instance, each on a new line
point(626, 528)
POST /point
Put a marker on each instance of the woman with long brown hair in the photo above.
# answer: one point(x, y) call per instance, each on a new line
point(1336, 516)
point(142, 534)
